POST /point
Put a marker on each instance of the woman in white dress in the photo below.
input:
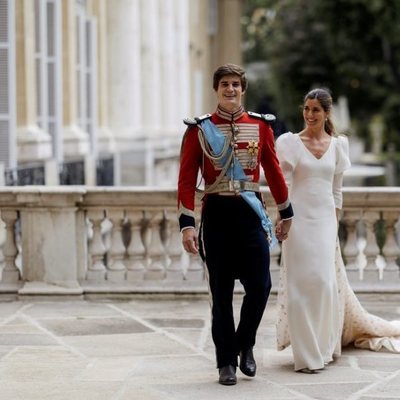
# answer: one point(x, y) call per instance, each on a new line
point(317, 309)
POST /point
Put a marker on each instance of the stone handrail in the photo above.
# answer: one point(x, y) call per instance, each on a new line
point(86, 241)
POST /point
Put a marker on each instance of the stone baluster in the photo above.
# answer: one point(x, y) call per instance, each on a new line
point(391, 249)
point(135, 264)
point(174, 248)
point(371, 251)
point(350, 249)
point(275, 253)
point(97, 269)
point(10, 272)
point(274, 267)
point(155, 270)
point(116, 267)
point(195, 270)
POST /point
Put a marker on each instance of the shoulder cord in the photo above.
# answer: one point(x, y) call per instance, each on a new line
point(218, 157)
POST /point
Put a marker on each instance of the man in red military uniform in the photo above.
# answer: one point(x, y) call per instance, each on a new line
point(228, 147)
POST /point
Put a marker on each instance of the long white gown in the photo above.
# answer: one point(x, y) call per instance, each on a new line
point(317, 310)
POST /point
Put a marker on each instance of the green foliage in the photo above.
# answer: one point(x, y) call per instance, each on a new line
point(350, 46)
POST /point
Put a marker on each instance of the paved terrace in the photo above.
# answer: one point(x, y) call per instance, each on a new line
point(160, 349)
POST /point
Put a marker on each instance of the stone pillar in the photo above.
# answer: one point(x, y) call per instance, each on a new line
point(76, 141)
point(49, 248)
point(156, 268)
point(124, 99)
point(136, 251)
point(150, 83)
point(371, 251)
point(96, 269)
point(33, 143)
point(10, 273)
point(169, 77)
point(182, 59)
point(391, 250)
point(229, 32)
point(350, 249)
point(174, 248)
point(150, 64)
point(202, 37)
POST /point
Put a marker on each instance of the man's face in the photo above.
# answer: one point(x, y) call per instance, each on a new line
point(229, 92)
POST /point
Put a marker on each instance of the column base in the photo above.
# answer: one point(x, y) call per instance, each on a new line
point(116, 276)
point(96, 275)
point(33, 144)
point(76, 141)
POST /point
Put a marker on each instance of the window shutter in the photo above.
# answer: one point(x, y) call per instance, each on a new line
point(86, 31)
point(49, 71)
point(54, 76)
point(7, 84)
point(90, 78)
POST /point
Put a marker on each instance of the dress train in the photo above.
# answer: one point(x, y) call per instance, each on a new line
point(357, 327)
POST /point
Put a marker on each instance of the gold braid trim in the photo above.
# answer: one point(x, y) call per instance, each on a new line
point(207, 151)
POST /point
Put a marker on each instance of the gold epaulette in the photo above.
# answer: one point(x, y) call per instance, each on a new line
point(196, 120)
point(265, 117)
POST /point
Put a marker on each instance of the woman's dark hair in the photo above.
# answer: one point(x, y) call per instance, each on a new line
point(325, 99)
point(230, 69)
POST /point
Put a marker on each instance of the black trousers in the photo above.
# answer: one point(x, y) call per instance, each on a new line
point(235, 247)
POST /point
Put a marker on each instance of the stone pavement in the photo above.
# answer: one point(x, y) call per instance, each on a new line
point(160, 349)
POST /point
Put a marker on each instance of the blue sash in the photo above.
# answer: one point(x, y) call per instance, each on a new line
point(216, 140)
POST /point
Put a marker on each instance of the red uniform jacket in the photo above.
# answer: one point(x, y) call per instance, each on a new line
point(254, 146)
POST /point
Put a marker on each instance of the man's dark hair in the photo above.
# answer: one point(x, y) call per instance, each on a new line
point(230, 69)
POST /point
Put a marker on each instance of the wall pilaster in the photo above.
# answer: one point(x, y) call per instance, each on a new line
point(33, 143)
point(106, 140)
point(76, 140)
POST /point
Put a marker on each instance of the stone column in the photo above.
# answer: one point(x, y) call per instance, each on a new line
point(202, 60)
point(49, 248)
point(182, 59)
point(229, 32)
point(150, 64)
point(169, 77)
point(76, 141)
point(150, 83)
point(124, 99)
point(33, 143)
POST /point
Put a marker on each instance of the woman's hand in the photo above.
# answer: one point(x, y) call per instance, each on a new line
point(282, 229)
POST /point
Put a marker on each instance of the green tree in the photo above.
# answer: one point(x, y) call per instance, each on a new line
point(350, 46)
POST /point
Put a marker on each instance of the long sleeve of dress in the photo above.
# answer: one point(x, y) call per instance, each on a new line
point(287, 156)
point(342, 154)
point(342, 163)
point(337, 190)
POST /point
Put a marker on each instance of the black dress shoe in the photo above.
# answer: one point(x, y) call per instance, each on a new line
point(227, 375)
point(247, 363)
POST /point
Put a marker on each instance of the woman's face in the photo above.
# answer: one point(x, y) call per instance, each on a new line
point(313, 113)
point(229, 92)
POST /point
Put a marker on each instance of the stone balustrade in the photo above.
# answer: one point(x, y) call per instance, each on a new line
point(89, 241)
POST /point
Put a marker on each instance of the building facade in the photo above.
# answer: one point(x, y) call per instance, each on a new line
point(94, 91)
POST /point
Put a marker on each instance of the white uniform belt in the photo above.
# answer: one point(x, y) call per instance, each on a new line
point(234, 187)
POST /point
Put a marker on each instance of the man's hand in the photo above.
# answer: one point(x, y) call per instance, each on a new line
point(282, 229)
point(190, 240)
